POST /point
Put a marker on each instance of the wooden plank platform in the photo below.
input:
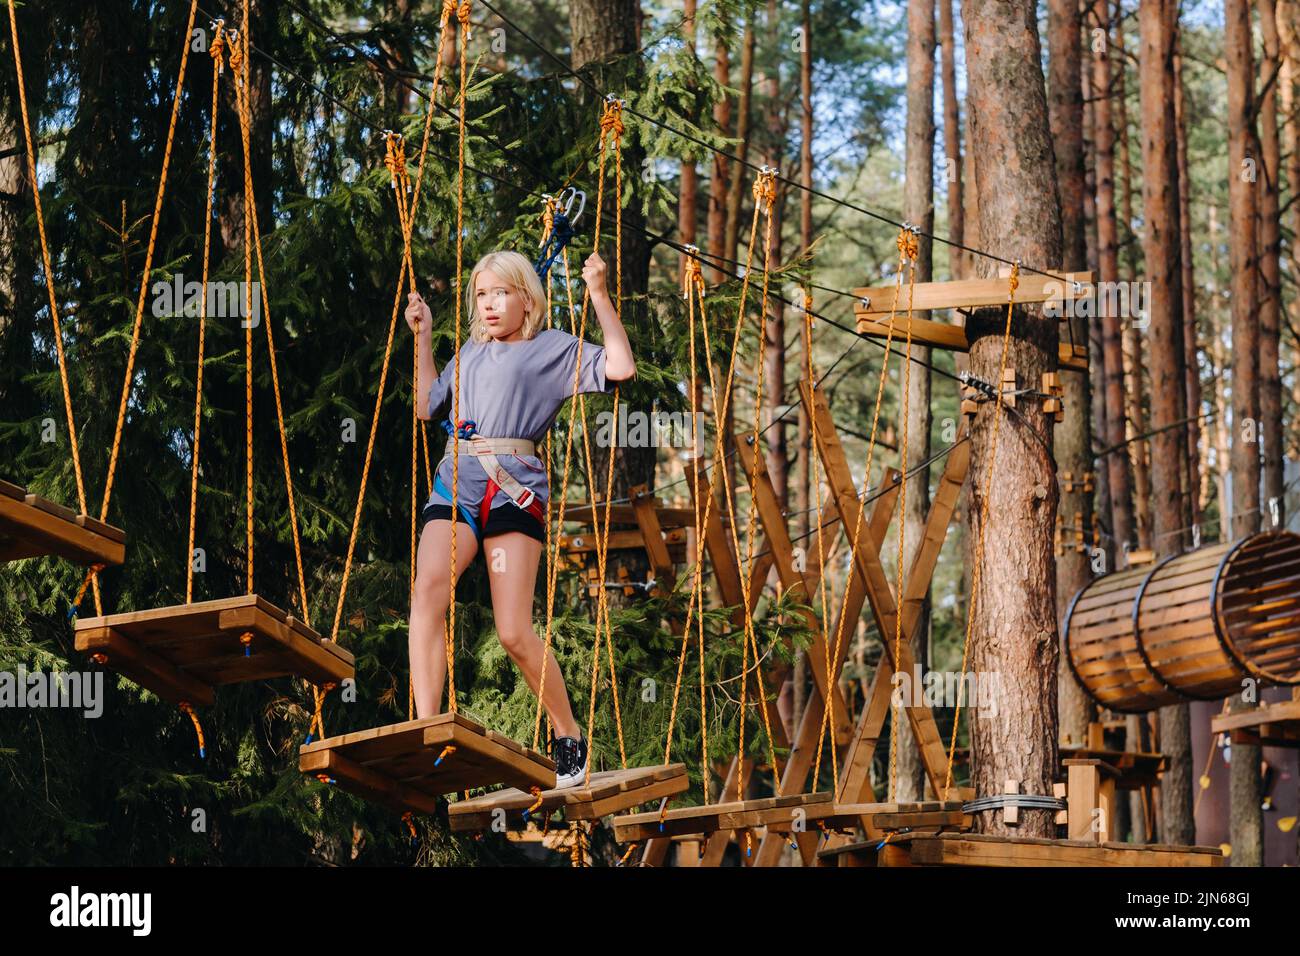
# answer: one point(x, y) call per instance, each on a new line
point(182, 653)
point(735, 815)
point(873, 316)
point(1136, 769)
point(407, 766)
point(972, 849)
point(610, 791)
point(581, 513)
point(1273, 725)
point(33, 527)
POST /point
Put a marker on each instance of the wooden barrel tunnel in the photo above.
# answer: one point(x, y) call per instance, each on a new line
point(1190, 627)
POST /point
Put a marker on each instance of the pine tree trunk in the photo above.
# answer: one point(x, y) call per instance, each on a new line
point(1135, 390)
point(1073, 441)
point(1191, 349)
point(1287, 86)
point(774, 391)
point(1116, 462)
point(1014, 630)
point(1270, 272)
point(1245, 824)
point(1162, 251)
point(918, 209)
point(717, 221)
point(951, 138)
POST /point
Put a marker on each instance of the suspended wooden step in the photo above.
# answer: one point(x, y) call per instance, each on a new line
point(977, 849)
point(737, 815)
point(34, 527)
point(610, 791)
point(874, 306)
point(407, 766)
point(1271, 725)
point(182, 653)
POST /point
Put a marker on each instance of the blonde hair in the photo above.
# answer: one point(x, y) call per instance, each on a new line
point(518, 272)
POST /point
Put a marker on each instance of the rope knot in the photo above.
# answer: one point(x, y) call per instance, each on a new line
point(218, 45)
point(462, 14)
point(611, 117)
point(395, 157)
point(236, 54)
point(1014, 282)
point(765, 187)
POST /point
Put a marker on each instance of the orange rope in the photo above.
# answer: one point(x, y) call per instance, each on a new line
point(148, 266)
point(198, 728)
point(49, 286)
point(215, 51)
point(462, 17)
point(911, 249)
point(553, 570)
point(856, 537)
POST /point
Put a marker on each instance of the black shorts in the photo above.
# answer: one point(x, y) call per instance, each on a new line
point(501, 519)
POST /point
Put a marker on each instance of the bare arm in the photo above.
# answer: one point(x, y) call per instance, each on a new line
point(619, 363)
point(420, 320)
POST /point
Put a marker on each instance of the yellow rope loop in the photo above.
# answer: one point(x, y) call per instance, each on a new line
point(462, 15)
point(448, 9)
point(198, 728)
point(536, 791)
point(218, 46)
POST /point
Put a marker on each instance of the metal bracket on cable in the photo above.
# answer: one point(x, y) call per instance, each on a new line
point(984, 388)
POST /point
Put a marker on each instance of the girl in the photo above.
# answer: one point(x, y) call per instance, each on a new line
point(514, 376)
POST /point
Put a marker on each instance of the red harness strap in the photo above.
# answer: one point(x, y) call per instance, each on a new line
point(534, 507)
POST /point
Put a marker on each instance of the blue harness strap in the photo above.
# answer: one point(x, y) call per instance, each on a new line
point(442, 489)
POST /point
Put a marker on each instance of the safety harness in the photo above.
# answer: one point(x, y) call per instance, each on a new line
point(486, 450)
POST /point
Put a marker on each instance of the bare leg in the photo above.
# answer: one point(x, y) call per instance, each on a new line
point(429, 603)
point(512, 560)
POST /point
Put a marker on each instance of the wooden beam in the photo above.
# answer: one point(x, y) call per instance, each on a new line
point(855, 782)
point(643, 507)
point(966, 293)
point(792, 579)
point(867, 563)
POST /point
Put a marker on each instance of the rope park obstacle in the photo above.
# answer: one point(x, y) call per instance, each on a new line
point(409, 766)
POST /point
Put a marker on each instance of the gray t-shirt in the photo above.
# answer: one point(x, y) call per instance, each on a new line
point(512, 390)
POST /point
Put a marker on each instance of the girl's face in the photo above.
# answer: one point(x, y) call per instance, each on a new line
point(501, 307)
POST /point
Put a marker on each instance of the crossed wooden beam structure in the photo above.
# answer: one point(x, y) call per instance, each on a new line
point(868, 586)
